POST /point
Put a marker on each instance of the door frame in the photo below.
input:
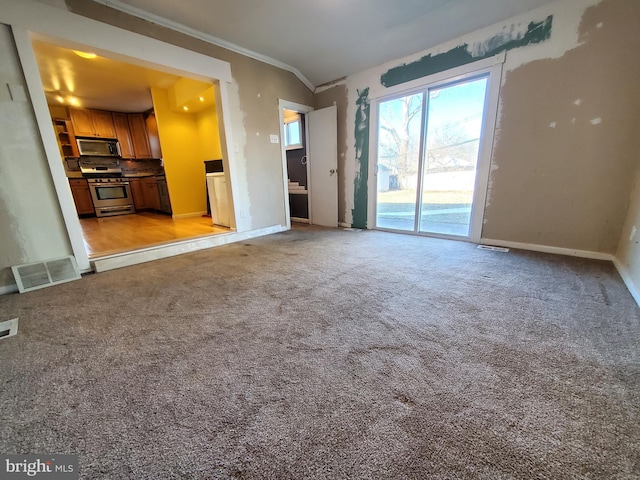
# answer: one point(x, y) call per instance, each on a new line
point(302, 110)
point(29, 20)
point(493, 68)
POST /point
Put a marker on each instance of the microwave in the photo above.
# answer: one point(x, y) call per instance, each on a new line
point(98, 148)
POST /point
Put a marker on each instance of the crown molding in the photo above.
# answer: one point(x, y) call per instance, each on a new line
point(192, 32)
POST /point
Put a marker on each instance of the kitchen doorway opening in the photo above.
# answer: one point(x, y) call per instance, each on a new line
point(433, 147)
point(167, 125)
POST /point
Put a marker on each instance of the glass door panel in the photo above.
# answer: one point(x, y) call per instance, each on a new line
point(455, 114)
point(399, 141)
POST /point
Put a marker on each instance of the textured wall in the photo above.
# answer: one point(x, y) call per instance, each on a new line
point(31, 226)
point(567, 145)
point(564, 147)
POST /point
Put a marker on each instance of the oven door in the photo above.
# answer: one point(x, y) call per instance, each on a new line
point(111, 198)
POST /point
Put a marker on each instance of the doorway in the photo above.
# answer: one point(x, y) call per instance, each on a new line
point(294, 140)
point(432, 158)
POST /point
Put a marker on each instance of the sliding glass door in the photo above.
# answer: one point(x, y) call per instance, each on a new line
point(428, 150)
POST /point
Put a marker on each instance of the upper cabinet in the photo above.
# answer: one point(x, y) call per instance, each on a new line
point(139, 136)
point(121, 124)
point(92, 123)
point(66, 138)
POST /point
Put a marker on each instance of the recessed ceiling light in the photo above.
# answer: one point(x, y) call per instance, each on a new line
point(60, 98)
point(201, 99)
point(85, 54)
point(73, 100)
point(185, 108)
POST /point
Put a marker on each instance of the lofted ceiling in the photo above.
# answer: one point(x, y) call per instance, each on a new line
point(328, 39)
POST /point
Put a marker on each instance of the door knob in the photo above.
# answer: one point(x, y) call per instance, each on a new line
point(333, 170)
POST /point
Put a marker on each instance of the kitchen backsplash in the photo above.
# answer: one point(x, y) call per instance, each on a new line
point(141, 166)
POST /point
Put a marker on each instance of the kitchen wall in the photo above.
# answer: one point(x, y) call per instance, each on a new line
point(31, 224)
point(207, 124)
point(182, 155)
point(566, 143)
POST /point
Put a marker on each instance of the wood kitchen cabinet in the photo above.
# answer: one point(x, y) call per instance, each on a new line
point(151, 195)
point(66, 137)
point(92, 123)
point(145, 193)
point(121, 124)
point(139, 136)
point(81, 196)
point(139, 199)
point(154, 137)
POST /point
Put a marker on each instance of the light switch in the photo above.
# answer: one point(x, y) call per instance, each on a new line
point(274, 138)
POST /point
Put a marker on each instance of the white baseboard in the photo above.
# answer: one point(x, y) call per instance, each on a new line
point(344, 225)
point(299, 220)
point(547, 249)
point(7, 289)
point(154, 253)
point(189, 215)
point(628, 280)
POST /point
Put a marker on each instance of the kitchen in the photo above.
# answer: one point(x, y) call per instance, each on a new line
point(133, 143)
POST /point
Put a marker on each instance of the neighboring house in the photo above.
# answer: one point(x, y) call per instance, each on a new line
point(564, 168)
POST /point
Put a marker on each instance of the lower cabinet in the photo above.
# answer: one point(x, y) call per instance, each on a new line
point(139, 200)
point(81, 196)
point(151, 195)
point(145, 193)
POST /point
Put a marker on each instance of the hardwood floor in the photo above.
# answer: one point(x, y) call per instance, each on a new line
point(110, 235)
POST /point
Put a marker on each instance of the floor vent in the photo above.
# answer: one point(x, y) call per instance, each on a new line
point(32, 276)
point(492, 248)
point(8, 328)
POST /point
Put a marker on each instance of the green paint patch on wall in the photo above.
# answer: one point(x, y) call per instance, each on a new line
point(461, 55)
point(359, 210)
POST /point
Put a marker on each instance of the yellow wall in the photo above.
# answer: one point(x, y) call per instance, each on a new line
point(207, 121)
point(183, 161)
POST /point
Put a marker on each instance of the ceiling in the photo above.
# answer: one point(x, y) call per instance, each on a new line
point(320, 41)
point(107, 84)
point(329, 39)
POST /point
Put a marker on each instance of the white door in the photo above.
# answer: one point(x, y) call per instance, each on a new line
point(322, 162)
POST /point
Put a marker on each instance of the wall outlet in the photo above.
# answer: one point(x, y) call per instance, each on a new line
point(274, 138)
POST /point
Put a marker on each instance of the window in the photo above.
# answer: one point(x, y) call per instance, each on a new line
point(293, 133)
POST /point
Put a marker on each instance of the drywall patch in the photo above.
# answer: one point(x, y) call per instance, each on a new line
point(359, 210)
point(508, 39)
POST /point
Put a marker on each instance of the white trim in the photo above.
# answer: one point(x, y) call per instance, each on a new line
point(178, 27)
point(492, 69)
point(7, 289)
point(30, 19)
point(571, 252)
point(302, 109)
point(628, 280)
point(50, 144)
point(485, 153)
point(299, 220)
point(155, 253)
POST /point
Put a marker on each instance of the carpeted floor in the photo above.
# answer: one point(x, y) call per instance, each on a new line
point(323, 353)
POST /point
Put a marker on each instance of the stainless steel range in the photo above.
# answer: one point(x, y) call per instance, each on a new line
point(110, 191)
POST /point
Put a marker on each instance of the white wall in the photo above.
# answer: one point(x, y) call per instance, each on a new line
point(31, 224)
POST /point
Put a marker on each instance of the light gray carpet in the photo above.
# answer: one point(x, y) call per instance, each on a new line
point(330, 354)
